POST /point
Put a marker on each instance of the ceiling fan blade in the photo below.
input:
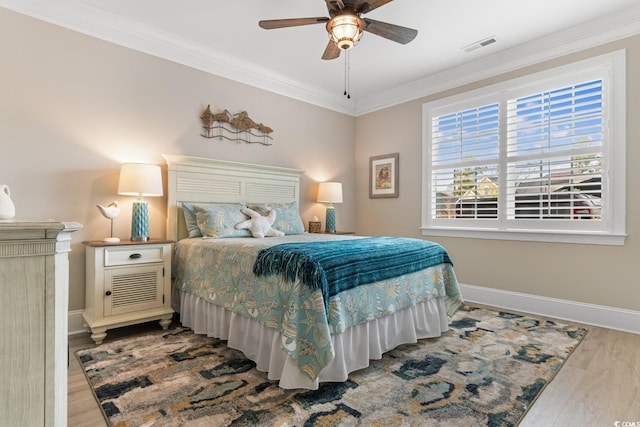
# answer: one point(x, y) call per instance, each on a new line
point(334, 6)
point(367, 6)
point(271, 24)
point(332, 51)
point(396, 33)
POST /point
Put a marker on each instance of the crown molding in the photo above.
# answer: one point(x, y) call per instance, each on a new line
point(594, 33)
point(98, 23)
point(103, 25)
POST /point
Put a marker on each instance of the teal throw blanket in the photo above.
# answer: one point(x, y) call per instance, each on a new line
point(338, 265)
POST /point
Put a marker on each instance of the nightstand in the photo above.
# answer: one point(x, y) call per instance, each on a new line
point(127, 283)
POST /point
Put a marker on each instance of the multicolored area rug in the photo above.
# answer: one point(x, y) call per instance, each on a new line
point(487, 371)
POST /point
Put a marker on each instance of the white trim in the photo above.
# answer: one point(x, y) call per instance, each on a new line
point(574, 311)
point(103, 25)
point(616, 26)
point(76, 323)
point(552, 236)
point(611, 67)
point(97, 23)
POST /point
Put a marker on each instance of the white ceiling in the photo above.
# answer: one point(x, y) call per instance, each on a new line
point(223, 37)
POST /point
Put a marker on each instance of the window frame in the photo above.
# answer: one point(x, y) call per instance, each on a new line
point(611, 68)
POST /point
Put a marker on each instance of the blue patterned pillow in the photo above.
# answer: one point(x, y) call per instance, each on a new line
point(190, 220)
point(219, 220)
point(287, 216)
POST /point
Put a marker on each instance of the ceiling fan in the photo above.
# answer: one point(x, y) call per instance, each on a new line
point(345, 25)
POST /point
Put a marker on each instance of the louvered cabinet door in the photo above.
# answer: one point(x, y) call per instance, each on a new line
point(127, 283)
point(133, 289)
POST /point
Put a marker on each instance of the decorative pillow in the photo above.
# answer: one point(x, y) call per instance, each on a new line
point(190, 220)
point(219, 220)
point(287, 216)
point(258, 225)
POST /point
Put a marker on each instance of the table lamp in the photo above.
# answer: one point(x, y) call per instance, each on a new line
point(330, 192)
point(140, 179)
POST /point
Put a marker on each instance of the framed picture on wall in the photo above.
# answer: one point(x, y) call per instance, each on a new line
point(383, 176)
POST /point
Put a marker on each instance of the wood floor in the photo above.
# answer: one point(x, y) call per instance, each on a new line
point(598, 385)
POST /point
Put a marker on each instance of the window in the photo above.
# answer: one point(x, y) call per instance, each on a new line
point(537, 158)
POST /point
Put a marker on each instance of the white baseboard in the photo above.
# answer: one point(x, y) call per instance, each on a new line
point(75, 322)
point(590, 314)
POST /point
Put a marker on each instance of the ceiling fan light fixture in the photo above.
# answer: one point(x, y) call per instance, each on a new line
point(345, 30)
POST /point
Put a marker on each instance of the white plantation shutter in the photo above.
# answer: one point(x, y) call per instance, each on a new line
point(542, 154)
point(465, 155)
point(554, 149)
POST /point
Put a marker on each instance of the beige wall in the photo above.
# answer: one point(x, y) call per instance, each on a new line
point(73, 108)
point(595, 274)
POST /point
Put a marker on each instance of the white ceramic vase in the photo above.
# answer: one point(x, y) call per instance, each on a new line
point(7, 209)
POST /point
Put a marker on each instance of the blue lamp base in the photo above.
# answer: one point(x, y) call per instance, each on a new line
point(140, 221)
point(331, 220)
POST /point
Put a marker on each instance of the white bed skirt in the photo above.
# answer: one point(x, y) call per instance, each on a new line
point(354, 347)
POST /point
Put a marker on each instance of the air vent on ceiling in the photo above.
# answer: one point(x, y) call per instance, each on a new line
point(479, 44)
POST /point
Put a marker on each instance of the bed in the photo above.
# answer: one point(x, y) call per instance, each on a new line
point(294, 332)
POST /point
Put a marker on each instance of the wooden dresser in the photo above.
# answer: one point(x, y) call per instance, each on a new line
point(34, 299)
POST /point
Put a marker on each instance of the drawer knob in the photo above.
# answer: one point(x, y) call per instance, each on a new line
point(135, 256)
point(107, 293)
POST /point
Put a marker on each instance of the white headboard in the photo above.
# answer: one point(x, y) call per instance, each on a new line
point(195, 179)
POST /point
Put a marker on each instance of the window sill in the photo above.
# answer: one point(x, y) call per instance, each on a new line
point(583, 238)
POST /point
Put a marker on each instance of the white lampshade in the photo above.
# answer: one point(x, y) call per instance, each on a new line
point(330, 192)
point(140, 179)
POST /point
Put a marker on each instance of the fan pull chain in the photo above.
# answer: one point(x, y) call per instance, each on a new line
point(347, 75)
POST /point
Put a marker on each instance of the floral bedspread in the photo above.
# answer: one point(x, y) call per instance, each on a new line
point(221, 271)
